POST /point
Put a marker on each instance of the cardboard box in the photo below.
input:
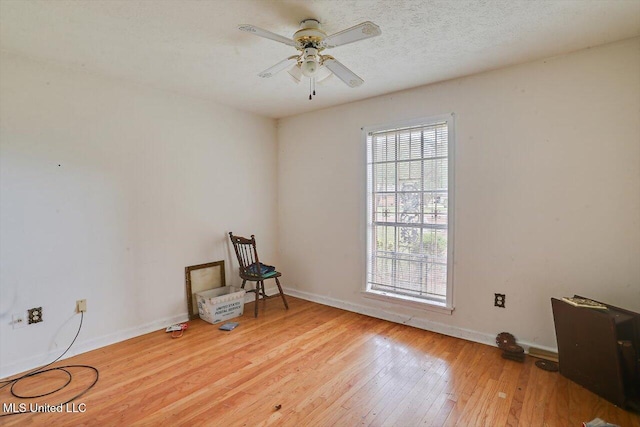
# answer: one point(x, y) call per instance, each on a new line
point(220, 304)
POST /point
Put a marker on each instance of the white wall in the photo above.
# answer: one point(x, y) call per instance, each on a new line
point(108, 190)
point(148, 182)
point(547, 194)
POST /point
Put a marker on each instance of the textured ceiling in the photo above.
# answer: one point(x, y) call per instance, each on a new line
point(195, 48)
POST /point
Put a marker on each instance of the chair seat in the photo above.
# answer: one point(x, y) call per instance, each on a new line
point(253, 278)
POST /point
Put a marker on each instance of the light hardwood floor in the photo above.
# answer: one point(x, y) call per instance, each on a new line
point(325, 367)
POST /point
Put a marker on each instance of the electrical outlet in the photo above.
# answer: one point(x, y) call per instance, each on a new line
point(499, 300)
point(81, 306)
point(35, 315)
point(19, 320)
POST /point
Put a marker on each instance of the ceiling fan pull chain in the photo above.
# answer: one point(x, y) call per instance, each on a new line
point(314, 86)
point(310, 88)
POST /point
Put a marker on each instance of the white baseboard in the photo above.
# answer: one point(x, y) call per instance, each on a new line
point(115, 337)
point(441, 328)
point(88, 345)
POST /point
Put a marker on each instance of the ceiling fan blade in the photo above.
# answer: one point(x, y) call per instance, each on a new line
point(266, 34)
point(343, 73)
point(361, 31)
point(279, 66)
point(322, 75)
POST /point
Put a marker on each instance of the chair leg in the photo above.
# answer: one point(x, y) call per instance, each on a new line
point(255, 308)
point(286, 306)
point(264, 293)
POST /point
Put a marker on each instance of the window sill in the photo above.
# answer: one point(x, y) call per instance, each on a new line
point(409, 301)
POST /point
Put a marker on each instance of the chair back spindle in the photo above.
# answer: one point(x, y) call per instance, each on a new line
point(246, 253)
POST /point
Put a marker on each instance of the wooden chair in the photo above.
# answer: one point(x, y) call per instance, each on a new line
point(253, 271)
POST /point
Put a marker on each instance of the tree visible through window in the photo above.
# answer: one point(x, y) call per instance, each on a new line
point(408, 210)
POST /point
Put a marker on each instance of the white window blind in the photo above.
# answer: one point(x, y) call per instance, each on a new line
point(408, 212)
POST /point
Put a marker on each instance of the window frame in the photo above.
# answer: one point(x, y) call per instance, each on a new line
point(447, 305)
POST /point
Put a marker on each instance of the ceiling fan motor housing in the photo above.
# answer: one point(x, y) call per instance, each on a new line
point(309, 35)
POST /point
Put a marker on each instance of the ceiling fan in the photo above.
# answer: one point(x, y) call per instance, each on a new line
point(310, 40)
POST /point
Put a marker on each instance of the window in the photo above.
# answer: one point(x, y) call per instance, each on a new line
point(410, 211)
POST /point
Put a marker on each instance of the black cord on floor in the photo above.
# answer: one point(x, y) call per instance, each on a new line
point(41, 370)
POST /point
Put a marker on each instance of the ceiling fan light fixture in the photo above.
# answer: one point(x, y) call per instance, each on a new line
point(309, 68)
point(310, 62)
point(323, 74)
point(296, 73)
